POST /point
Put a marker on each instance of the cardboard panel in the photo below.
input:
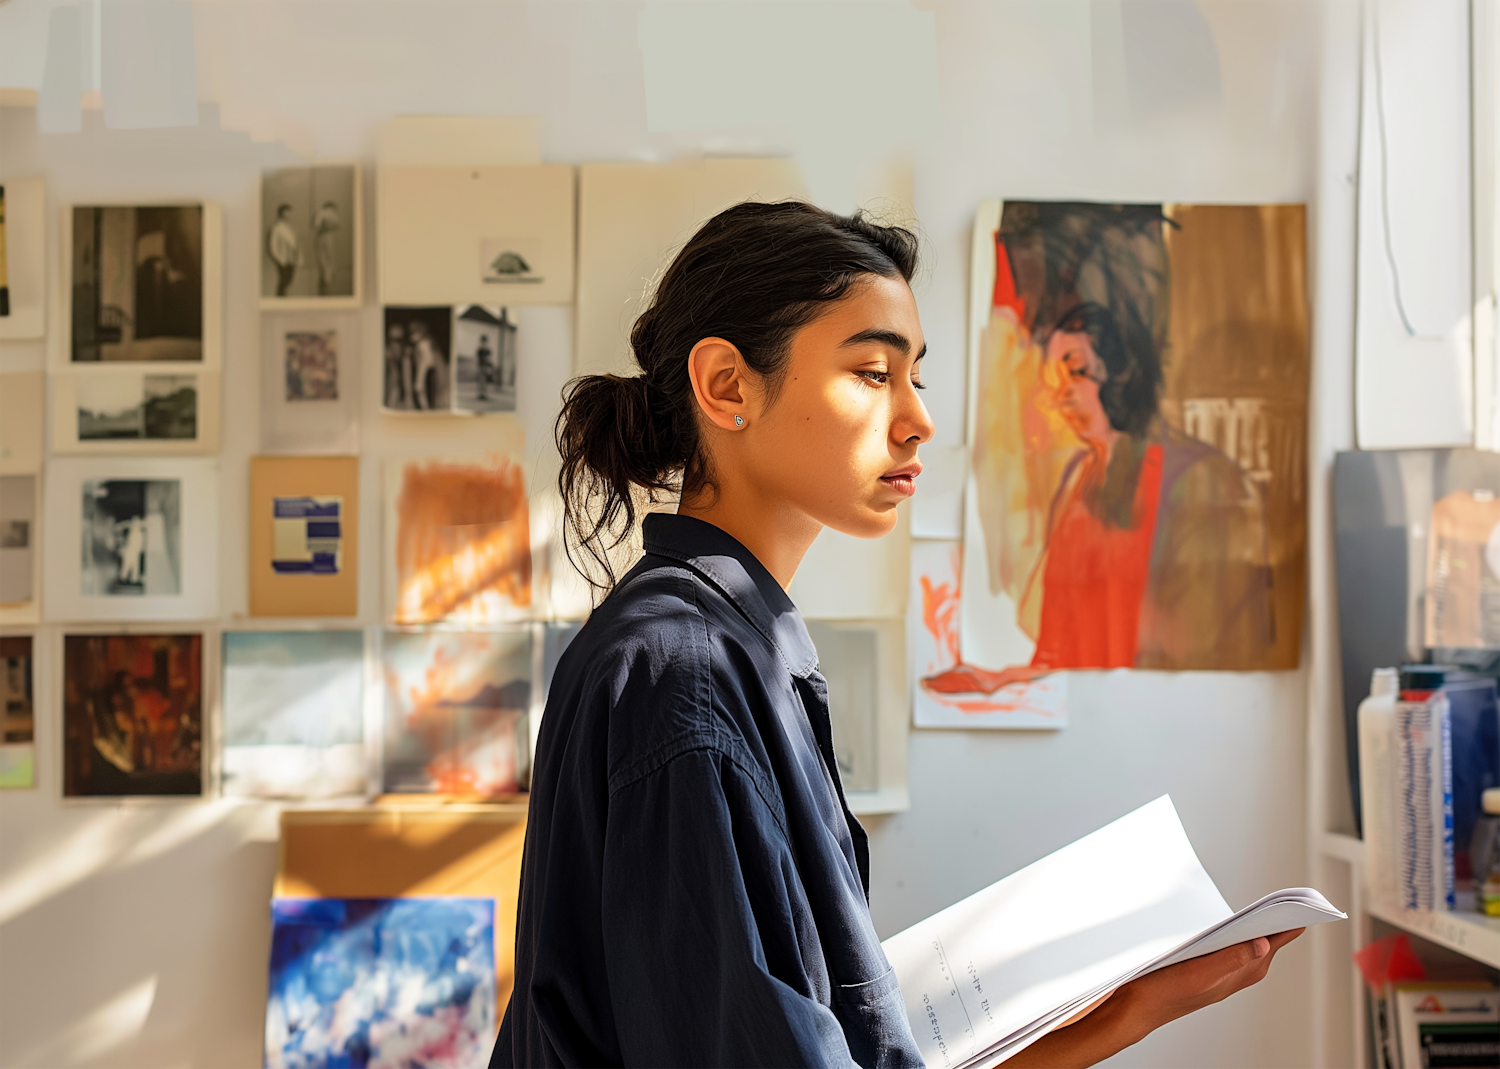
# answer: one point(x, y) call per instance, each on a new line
point(466, 850)
point(283, 591)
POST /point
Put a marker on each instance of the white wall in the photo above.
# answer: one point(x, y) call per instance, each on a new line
point(137, 935)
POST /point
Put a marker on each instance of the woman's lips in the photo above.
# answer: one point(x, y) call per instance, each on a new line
point(903, 482)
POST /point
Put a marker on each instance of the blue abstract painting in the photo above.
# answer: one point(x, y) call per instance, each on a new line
point(388, 983)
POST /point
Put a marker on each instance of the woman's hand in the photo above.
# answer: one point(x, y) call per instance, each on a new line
point(1144, 1005)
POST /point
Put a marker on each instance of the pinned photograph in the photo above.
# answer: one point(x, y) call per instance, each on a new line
point(309, 236)
point(17, 713)
point(381, 982)
point(484, 358)
point(312, 365)
point(303, 536)
point(418, 359)
point(17, 540)
point(137, 284)
point(132, 538)
point(124, 410)
point(458, 541)
point(309, 382)
point(457, 705)
point(132, 715)
point(294, 714)
point(129, 406)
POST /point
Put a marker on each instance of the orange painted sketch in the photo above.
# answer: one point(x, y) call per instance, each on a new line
point(463, 542)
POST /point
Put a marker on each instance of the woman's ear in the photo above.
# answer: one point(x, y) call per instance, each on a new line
point(720, 382)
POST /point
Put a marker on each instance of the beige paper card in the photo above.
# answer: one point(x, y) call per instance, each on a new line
point(475, 235)
point(304, 536)
point(21, 422)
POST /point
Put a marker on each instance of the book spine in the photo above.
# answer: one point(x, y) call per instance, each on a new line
point(1443, 721)
point(1414, 872)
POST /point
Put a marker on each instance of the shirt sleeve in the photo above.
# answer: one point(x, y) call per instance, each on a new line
point(706, 931)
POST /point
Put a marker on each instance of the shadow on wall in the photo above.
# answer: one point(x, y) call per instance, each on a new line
point(124, 946)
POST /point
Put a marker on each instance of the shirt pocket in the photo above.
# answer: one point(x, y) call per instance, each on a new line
point(874, 1018)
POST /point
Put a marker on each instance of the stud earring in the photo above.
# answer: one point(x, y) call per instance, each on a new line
point(739, 421)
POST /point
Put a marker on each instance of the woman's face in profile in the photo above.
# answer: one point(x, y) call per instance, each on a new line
point(840, 440)
point(1077, 373)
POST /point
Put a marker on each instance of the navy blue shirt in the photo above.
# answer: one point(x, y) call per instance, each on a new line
point(694, 889)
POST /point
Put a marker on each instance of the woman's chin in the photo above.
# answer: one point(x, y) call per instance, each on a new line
point(874, 521)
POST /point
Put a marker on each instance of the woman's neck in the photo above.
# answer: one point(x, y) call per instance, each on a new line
point(776, 533)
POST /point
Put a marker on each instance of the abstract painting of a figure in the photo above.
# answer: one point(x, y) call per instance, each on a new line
point(1138, 427)
point(132, 715)
point(396, 983)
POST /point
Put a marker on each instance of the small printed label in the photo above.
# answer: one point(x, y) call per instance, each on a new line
point(307, 536)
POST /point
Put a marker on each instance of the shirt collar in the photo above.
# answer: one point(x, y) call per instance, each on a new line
point(721, 559)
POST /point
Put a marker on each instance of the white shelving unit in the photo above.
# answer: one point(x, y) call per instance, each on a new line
point(1470, 934)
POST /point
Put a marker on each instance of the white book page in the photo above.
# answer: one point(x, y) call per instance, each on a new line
point(1072, 923)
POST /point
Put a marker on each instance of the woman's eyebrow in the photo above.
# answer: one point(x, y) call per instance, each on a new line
point(894, 339)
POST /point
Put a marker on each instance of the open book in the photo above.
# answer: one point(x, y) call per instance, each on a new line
point(994, 973)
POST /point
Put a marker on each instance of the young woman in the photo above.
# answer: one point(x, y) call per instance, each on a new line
point(694, 888)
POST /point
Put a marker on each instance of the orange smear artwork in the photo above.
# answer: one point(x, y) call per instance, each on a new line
point(463, 542)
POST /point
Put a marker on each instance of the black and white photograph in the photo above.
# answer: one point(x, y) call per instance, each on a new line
point(132, 538)
point(137, 284)
point(309, 219)
point(17, 539)
point(136, 407)
point(418, 361)
point(484, 360)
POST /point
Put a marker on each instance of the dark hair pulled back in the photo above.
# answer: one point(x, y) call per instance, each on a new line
point(753, 275)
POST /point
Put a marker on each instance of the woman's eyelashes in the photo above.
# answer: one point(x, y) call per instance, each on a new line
point(883, 378)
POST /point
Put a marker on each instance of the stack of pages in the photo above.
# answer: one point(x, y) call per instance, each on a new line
point(994, 973)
